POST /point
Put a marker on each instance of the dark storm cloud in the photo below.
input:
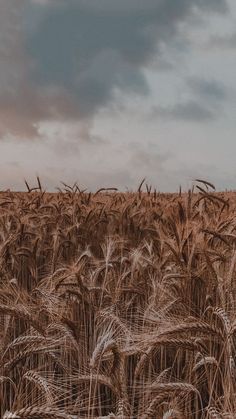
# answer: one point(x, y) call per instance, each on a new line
point(23, 103)
point(223, 42)
point(64, 59)
point(190, 111)
point(208, 89)
point(92, 47)
point(205, 104)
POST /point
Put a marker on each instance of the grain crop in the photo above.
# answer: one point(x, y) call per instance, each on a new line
point(118, 305)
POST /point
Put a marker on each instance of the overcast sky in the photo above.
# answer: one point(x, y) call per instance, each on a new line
point(106, 92)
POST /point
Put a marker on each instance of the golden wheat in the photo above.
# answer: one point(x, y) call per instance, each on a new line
point(118, 305)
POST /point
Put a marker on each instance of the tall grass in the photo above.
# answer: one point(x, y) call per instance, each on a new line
point(118, 305)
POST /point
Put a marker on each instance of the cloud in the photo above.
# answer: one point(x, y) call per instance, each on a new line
point(222, 42)
point(207, 89)
point(190, 111)
point(92, 47)
point(21, 110)
point(65, 59)
point(204, 102)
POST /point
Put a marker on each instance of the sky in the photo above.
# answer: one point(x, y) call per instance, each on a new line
point(107, 92)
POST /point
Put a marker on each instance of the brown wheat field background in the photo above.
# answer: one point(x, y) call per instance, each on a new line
point(118, 305)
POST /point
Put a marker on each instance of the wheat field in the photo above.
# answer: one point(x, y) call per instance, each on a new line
point(118, 305)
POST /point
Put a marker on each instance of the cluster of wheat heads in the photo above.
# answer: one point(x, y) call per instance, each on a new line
point(117, 305)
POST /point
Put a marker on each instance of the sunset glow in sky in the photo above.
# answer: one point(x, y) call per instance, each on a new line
point(106, 92)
